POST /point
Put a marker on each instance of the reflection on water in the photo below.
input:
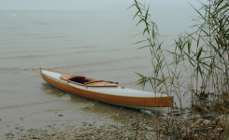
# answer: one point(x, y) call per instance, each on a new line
point(117, 113)
point(96, 106)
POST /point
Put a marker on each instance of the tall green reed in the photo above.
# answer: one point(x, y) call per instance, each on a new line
point(202, 56)
point(210, 60)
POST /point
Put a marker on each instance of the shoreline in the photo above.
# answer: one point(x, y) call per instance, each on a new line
point(135, 125)
point(120, 126)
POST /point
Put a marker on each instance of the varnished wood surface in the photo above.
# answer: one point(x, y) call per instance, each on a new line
point(136, 101)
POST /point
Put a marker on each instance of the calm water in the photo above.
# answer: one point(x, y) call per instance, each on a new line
point(97, 44)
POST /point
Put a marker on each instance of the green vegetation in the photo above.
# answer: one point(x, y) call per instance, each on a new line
point(202, 57)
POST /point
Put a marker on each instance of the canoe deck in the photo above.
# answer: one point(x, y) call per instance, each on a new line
point(109, 94)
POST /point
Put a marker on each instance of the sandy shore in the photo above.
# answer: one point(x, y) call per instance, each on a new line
point(127, 127)
point(128, 124)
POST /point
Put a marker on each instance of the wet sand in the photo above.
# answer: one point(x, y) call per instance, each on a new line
point(75, 118)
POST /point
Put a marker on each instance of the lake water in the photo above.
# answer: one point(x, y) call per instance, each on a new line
point(96, 44)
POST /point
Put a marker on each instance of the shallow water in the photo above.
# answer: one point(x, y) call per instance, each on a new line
point(96, 44)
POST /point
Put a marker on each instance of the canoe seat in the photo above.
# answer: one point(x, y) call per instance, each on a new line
point(75, 78)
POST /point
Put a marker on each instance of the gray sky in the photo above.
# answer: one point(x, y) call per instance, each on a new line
point(161, 5)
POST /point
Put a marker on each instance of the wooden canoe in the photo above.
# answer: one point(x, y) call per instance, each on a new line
point(106, 91)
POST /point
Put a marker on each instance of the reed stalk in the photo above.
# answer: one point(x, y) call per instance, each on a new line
point(202, 56)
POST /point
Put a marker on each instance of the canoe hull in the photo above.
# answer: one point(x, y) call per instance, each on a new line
point(162, 104)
